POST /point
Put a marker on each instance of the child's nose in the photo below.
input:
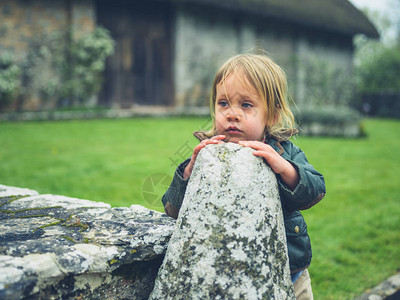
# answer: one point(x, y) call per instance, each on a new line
point(233, 114)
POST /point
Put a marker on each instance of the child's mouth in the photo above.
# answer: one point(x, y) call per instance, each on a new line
point(233, 130)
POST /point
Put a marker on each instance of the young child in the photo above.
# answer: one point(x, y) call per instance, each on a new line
point(249, 107)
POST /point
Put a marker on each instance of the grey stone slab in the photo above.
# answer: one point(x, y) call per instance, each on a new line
point(47, 201)
point(229, 241)
point(58, 247)
point(10, 191)
point(389, 289)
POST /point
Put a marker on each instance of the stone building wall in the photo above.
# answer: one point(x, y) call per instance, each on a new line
point(36, 32)
point(22, 21)
point(204, 39)
point(201, 39)
point(320, 61)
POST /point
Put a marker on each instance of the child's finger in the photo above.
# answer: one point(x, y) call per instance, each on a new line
point(197, 149)
point(261, 153)
point(218, 137)
point(253, 144)
point(204, 143)
point(207, 142)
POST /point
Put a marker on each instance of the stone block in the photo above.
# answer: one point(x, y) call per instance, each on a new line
point(229, 241)
point(57, 247)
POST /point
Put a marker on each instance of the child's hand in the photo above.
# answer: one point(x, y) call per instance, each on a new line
point(277, 163)
point(214, 140)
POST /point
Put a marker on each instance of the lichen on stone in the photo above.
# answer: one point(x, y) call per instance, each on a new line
point(229, 238)
point(56, 247)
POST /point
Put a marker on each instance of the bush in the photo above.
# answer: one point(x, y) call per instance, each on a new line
point(60, 70)
point(381, 73)
point(82, 72)
point(378, 80)
point(329, 121)
point(9, 79)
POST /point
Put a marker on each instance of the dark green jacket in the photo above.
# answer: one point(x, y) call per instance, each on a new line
point(309, 191)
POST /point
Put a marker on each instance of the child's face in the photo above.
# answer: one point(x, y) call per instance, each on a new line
point(239, 111)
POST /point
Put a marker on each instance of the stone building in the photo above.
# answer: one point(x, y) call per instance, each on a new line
point(167, 51)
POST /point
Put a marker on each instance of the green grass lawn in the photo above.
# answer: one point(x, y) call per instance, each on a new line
point(354, 230)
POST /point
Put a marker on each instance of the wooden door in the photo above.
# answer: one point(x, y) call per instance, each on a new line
point(140, 70)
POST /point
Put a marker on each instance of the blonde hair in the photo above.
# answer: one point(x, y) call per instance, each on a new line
point(270, 82)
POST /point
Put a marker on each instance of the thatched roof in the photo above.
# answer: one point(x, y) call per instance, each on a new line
point(333, 15)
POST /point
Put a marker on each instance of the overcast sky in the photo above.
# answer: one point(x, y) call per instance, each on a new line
point(387, 8)
point(380, 5)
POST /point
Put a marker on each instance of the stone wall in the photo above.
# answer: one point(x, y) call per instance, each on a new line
point(37, 33)
point(54, 247)
point(57, 247)
point(22, 21)
point(203, 41)
point(205, 38)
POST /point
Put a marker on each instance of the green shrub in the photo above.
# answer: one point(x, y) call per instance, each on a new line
point(381, 71)
point(328, 115)
point(329, 121)
point(9, 79)
point(82, 71)
point(61, 70)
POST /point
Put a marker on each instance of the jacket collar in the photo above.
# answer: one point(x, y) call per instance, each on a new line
point(276, 145)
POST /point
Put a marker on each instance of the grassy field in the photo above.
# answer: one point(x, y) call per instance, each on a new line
point(354, 230)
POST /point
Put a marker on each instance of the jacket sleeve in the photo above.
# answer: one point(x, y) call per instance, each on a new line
point(173, 197)
point(311, 187)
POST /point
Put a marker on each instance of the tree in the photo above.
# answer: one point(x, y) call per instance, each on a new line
point(377, 62)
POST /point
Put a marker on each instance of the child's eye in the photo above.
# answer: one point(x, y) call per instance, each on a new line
point(247, 105)
point(223, 103)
